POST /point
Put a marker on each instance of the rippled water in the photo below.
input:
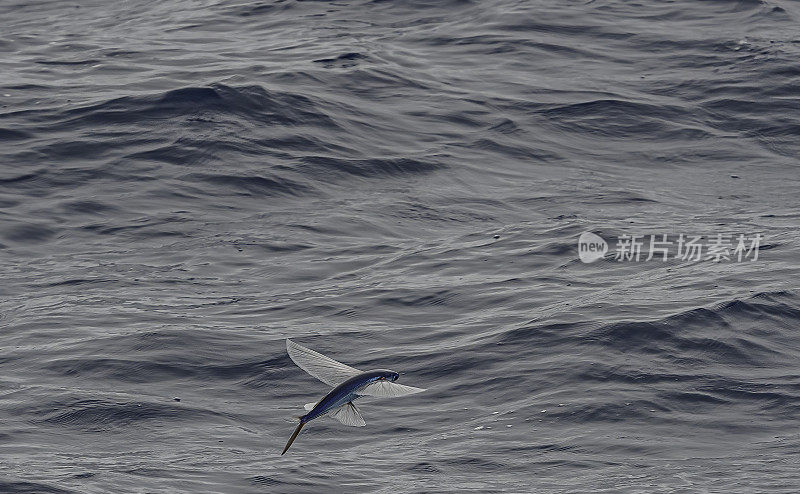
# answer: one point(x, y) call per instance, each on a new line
point(185, 184)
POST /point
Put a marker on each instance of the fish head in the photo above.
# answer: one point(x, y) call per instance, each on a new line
point(388, 375)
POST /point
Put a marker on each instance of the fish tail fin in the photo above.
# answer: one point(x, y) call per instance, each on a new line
point(294, 436)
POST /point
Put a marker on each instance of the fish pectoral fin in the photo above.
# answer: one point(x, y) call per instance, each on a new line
point(348, 415)
point(310, 406)
point(386, 389)
point(323, 368)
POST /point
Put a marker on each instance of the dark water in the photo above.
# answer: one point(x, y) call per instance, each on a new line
point(185, 184)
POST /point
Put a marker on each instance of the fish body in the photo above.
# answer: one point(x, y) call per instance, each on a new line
point(348, 383)
point(347, 392)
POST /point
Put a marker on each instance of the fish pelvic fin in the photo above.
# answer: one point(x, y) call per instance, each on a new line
point(294, 436)
point(349, 415)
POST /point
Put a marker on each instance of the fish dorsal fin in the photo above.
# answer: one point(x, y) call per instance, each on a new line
point(325, 369)
point(387, 389)
point(349, 415)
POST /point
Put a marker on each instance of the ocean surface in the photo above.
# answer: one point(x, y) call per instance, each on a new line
point(398, 184)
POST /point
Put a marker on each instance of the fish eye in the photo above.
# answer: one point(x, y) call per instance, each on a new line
point(395, 376)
